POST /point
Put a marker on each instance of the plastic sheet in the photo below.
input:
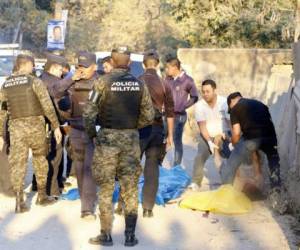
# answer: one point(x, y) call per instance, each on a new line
point(224, 200)
point(172, 183)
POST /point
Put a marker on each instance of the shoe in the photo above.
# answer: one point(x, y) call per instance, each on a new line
point(278, 200)
point(130, 224)
point(194, 187)
point(43, 199)
point(104, 239)
point(147, 213)
point(20, 203)
point(88, 216)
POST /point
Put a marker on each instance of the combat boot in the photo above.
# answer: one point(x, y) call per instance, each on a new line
point(104, 239)
point(43, 199)
point(130, 224)
point(20, 203)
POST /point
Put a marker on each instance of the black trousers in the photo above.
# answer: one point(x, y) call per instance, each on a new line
point(151, 146)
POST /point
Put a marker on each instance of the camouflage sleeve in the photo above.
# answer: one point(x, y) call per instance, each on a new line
point(42, 93)
point(91, 110)
point(3, 112)
point(146, 110)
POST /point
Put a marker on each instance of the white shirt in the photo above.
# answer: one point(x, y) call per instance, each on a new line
point(215, 118)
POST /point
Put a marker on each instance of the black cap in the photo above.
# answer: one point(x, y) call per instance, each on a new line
point(151, 54)
point(56, 59)
point(86, 59)
point(232, 96)
point(121, 50)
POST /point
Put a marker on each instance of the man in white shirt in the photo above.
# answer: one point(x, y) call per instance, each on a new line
point(211, 114)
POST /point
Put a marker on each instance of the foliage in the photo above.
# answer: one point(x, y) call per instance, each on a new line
point(162, 24)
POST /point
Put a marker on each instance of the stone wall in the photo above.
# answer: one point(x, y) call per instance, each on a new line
point(264, 74)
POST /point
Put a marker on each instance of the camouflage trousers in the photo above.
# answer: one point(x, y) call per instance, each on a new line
point(27, 133)
point(117, 154)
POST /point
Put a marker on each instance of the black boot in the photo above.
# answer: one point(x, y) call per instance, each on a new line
point(147, 213)
point(130, 222)
point(43, 199)
point(20, 203)
point(104, 239)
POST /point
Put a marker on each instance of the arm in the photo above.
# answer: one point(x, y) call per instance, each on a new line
point(146, 110)
point(203, 130)
point(236, 133)
point(193, 94)
point(64, 84)
point(3, 112)
point(46, 103)
point(169, 111)
point(91, 110)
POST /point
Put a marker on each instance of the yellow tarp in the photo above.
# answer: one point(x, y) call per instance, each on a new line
point(225, 200)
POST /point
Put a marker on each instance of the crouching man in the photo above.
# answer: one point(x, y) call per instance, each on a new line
point(213, 122)
point(252, 130)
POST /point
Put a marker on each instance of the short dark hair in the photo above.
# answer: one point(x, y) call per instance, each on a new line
point(210, 82)
point(174, 61)
point(150, 62)
point(56, 27)
point(233, 96)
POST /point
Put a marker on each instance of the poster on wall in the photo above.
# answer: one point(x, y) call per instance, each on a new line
point(56, 35)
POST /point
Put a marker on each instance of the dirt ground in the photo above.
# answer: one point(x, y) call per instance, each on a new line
point(59, 227)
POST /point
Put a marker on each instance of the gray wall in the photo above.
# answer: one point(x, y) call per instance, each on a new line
point(264, 74)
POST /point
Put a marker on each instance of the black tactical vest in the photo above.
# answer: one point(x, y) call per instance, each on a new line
point(21, 100)
point(80, 96)
point(120, 107)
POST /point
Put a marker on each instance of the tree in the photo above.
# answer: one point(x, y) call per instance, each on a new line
point(236, 23)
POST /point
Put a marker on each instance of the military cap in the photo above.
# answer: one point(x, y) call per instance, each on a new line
point(151, 54)
point(86, 59)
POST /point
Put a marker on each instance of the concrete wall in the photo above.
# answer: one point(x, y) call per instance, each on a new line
point(264, 74)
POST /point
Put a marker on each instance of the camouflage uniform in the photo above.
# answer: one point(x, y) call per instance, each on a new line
point(117, 151)
point(29, 133)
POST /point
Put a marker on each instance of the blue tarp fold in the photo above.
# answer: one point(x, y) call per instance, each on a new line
point(172, 183)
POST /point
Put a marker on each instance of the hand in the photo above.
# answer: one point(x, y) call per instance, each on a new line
point(1, 143)
point(212, 147)
point(170, 143)
point(77, 75)
point(57, 135)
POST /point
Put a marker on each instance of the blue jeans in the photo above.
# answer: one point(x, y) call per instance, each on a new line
point(242, 150)
point(180, 121)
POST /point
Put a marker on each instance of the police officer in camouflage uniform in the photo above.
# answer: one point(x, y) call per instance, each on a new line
point(81, 144)
point(27, 101)
point(122, 104)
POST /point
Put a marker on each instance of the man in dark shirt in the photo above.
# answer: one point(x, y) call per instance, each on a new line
point(185, 95)
point(152, 137)
point(57, 88)
point(253, 129)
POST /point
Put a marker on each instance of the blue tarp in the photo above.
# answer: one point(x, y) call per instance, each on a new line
point(172, 183)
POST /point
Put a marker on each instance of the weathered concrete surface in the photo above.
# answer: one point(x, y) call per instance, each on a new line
point(263, 74)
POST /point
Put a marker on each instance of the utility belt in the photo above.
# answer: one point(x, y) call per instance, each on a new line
point(77, 124)
point(180, 113)
point(78, 127)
